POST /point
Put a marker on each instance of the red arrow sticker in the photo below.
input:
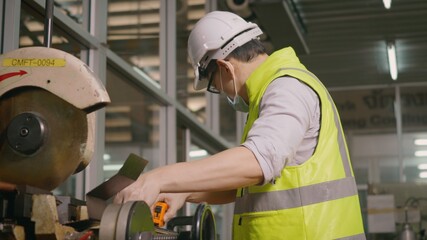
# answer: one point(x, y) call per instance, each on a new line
point(12, 74)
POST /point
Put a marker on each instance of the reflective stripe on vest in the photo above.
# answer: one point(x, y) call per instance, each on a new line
point(297, 197)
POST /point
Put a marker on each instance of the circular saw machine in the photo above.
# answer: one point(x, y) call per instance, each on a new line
point(47, 103)
point(48, 100)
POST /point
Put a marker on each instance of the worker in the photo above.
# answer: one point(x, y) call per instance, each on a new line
point(291, 176)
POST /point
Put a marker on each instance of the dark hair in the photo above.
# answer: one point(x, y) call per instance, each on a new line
point(248, 51)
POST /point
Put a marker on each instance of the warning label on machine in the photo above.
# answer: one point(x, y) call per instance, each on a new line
point(33, 62)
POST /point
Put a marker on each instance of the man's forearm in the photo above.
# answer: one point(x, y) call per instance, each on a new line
point(227, 170)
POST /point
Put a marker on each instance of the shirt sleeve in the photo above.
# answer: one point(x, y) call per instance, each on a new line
point(286, 130)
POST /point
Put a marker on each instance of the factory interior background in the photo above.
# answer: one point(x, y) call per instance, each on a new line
point(138, 48)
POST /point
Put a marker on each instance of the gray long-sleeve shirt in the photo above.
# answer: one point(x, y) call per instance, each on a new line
point(285, 134)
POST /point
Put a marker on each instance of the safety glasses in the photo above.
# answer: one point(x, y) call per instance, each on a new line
point(211, 88)
point(208, 73)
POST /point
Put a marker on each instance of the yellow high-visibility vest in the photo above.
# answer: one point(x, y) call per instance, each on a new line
point(315, 200)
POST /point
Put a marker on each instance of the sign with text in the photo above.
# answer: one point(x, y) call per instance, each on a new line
point(376, 108)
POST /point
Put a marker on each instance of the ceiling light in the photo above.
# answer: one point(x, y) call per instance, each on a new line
point(387, 4)
point(391, 53)
point(422, 166)
point(420, 142)
point(422, 153)
point(423, 174)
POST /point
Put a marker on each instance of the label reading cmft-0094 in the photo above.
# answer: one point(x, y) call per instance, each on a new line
point(34, 62)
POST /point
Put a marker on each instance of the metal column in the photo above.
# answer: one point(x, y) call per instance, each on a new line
point(10, 12)
point(95, 21)
point(168, 125)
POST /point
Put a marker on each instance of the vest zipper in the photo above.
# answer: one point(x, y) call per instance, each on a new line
point(241, 195)
point(241, 192)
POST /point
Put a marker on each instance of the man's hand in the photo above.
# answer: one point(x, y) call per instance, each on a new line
point(143, 189)
point(175, 202)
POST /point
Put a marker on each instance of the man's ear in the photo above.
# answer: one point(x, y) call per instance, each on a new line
point(224, 64)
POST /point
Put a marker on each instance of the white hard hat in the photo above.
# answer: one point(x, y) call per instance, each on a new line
point(215, 36)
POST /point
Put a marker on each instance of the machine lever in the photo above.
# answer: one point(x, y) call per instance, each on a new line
point(48, 23)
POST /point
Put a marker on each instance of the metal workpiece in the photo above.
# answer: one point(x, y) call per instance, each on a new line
point(129, 221)
point(99, 198)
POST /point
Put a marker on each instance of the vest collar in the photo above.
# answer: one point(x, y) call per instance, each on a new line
point(281, 58)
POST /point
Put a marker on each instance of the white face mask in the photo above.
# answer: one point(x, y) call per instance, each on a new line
point(237, 103)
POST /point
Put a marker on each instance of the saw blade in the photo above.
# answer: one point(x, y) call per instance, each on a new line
point(43, 138)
